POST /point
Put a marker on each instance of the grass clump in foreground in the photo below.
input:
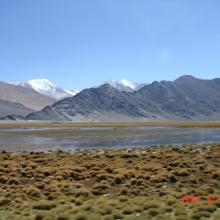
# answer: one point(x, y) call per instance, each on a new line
point(133, 184)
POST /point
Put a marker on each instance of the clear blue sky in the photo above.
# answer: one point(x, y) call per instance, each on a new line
point(80, 43)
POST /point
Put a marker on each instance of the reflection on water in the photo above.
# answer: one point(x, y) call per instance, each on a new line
point(76, 138)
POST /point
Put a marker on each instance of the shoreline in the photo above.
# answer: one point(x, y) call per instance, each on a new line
point(51, 124)
point(133, 184)
point(108, 149)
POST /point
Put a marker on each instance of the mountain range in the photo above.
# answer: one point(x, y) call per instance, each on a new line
point(186, 98)
point(48, 88)
point(22, 98)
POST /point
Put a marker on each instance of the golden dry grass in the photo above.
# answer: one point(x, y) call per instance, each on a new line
point(135, 184)
point(6, 125)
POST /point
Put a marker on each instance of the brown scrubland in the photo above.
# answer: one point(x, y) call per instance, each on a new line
point(133, 184)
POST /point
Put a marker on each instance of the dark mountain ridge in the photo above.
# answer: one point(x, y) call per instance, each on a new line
point(104, 103)
point(186, 97)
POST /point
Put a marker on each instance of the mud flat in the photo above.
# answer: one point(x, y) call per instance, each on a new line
point(138, 184)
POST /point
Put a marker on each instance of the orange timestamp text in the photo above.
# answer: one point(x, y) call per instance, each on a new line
point(192, 200)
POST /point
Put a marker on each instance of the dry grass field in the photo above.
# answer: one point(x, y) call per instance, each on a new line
point(135, 184)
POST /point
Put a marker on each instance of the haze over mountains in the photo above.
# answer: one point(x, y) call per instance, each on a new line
point(185, 98)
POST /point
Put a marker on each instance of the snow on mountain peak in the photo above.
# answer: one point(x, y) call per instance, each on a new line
point(42, 85)
point(48, 88)
point(127, 83)
point(72, 92)
point(124, 85)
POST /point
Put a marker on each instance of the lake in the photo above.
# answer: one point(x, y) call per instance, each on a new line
point(81, 138)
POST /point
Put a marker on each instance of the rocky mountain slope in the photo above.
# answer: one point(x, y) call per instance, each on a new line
point(186, 98)
point(103, 103)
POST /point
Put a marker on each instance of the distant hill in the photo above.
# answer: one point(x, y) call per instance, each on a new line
point(186, 98)
point(25, 96)
point(10, 108)
point(12, 117)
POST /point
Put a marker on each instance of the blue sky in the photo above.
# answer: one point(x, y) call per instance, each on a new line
point(80, 43)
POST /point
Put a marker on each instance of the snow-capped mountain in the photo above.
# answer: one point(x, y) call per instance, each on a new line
point(46, 87)
point(72, 92)
point(124, 85)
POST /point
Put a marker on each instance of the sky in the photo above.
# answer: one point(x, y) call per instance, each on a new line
point(81, 43)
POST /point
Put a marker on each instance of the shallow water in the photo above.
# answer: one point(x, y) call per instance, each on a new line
point(102, 137)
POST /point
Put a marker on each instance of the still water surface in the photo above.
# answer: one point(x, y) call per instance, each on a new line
point(102, 137)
